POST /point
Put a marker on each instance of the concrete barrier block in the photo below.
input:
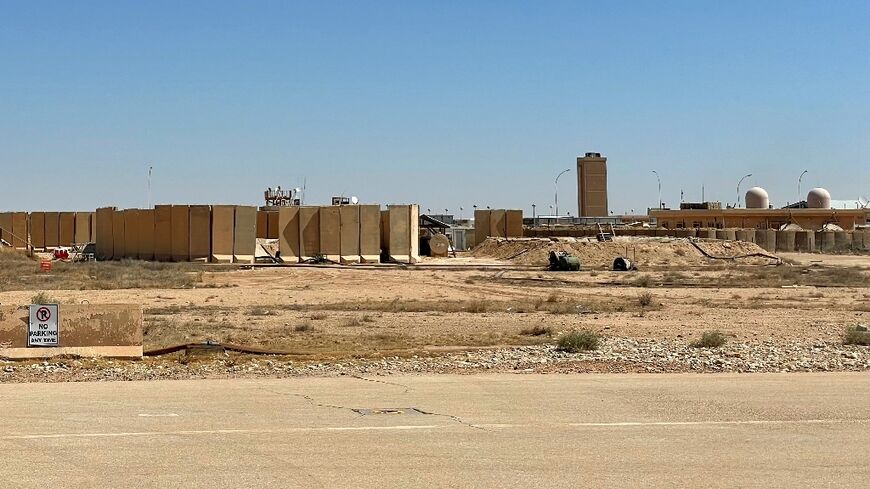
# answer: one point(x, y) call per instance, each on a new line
point(67, 232)
point(785, 241)
point(514, 223)
point(163, 233)
point(482, 225)
point(288, 236)
point(223, 219)
point(118, 241)
point(104, 234)
point(131, 233)
point(350, 233)
point(272, 228)
point(330, 232)
point(370, 233)
point(861, 240)
point(309, 232)
point(805, 241)
point(825, 241)
point(83, 225)
point(180, 233)
point(52, 230)
point(200, 233)
point(497, 223)
point(746, 235)
point(37, 230)
point(245, 236)
point(842, 241)
point(145, 234)
point(101, 330)
point(415, 233)
point(262, 224)
point(766, 239)
point(400, 233)
point(6, 227)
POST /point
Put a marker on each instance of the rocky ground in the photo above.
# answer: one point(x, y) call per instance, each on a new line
point(614, 355)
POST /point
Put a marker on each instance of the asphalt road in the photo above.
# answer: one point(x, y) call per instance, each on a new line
point(749, 430)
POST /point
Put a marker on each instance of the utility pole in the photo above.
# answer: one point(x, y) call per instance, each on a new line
point(556, 183)
point(660, 188)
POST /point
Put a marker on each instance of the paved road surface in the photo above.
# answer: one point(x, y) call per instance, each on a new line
point(786, 430)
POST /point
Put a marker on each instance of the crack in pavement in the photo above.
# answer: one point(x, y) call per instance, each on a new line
point(396, 384)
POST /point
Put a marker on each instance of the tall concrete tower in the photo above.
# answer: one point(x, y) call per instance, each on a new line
point(592, 185)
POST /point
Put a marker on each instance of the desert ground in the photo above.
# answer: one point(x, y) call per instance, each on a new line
point(479, 311)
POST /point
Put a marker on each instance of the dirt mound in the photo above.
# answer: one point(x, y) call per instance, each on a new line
point(645, 252)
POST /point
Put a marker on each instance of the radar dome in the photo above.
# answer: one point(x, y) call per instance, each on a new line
point(756, 198)
point(819, 198)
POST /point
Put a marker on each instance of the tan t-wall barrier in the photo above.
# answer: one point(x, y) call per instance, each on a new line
point(145, 232)
point(370, 233)
point(37, 230)
point(52, 228)
point(222, 231)
point(200, 233)
point(245, 234)
point(349, 233)
point(162, 233)
point(103, 232)
point(118, 240)
point(180, 233)
point(497, 223)
point(288, 236)
point(330, 229)
point(100, 330)
point(309, 232)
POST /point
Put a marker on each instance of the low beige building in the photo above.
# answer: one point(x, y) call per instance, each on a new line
point(810, 219)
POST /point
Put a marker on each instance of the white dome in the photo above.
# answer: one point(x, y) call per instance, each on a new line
point(819, 198)
point(757, 198)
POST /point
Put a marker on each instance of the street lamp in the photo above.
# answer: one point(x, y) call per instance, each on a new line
point(799, 185)
point(738, 189)
point(660, 188)
point(556, 184)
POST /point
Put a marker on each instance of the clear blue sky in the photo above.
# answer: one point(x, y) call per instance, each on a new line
point(442, 103)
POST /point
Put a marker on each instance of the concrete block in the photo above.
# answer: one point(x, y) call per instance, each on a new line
point(131, 233)
point(288, 234)
point(273, 229)
point(262, 224)
point(825, 241)
point(766, 239)
point(745, 235)
point(52, 230)
point(223, 219)
point(400, 233)
point(309, 232)
point(861, 240)
point(415, 233)
point(497, 223)
point(350, 235)
point(6, 227)
point(707, 233)
point(37, 230)
point(842, 241)
point(482, 226)
point(514, 223)
point(805, 241)
point(145, 234)
point(369, 233)
point(180, 233)
point(200, 233)
point(118, 242)
point(84, 229)
point(20, 238)
point(103, 234)
point(785, 241)
point(110, 330)
point(67, 230)
point(245, 234)
point(163, 233)
point(385, 231)
point(330, 229)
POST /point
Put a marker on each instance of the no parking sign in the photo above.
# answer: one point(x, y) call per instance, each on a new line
point(43, 326)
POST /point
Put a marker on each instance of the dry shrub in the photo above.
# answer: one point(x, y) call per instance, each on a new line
point(537, 330)
point(577, 341)
point(710, 339)
point(857, 335)
point(303, 327)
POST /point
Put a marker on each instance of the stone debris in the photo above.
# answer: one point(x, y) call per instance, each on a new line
point(614, 355)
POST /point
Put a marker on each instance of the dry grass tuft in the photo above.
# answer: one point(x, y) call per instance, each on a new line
point(857, 335)
point(577, 341)
point(710, 339)
point(537, 330)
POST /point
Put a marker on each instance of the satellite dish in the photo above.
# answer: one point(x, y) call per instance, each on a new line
point(354, 200)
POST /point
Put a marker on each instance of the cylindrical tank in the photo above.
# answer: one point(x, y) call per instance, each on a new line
point(819, 198)
point(757, 198)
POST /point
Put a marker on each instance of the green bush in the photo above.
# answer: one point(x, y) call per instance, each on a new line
point(577, 341)
point(710, 339)
point(857, 335)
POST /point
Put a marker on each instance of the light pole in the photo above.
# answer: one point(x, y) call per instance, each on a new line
point(660, 188)
point(738, 189)
point(150, 169)
point(556, 184)
point(799, 185)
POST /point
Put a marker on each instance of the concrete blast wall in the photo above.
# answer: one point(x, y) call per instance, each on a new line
point(497, 223)
point(273, 229)
point(482, 226)
point(785, 241)
point(84, 227)
point(131, 233)
point(309, 232)
point(514, 223)
point(37, 230)
point(6, 226)
point(805, 241)
point(67, 230)
point(288, 236)
point(19, 230)
point(245, 234)
point(145, 232)
point(330, 229)
point(222, 232)
point(200, 233)
point(119, 252)
point(52, 229)
point(163, 233)
point(103, 233)
point(180, 233)
point(262, 224)
point(404, 233)
point(370, 233)
point(350, 233)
